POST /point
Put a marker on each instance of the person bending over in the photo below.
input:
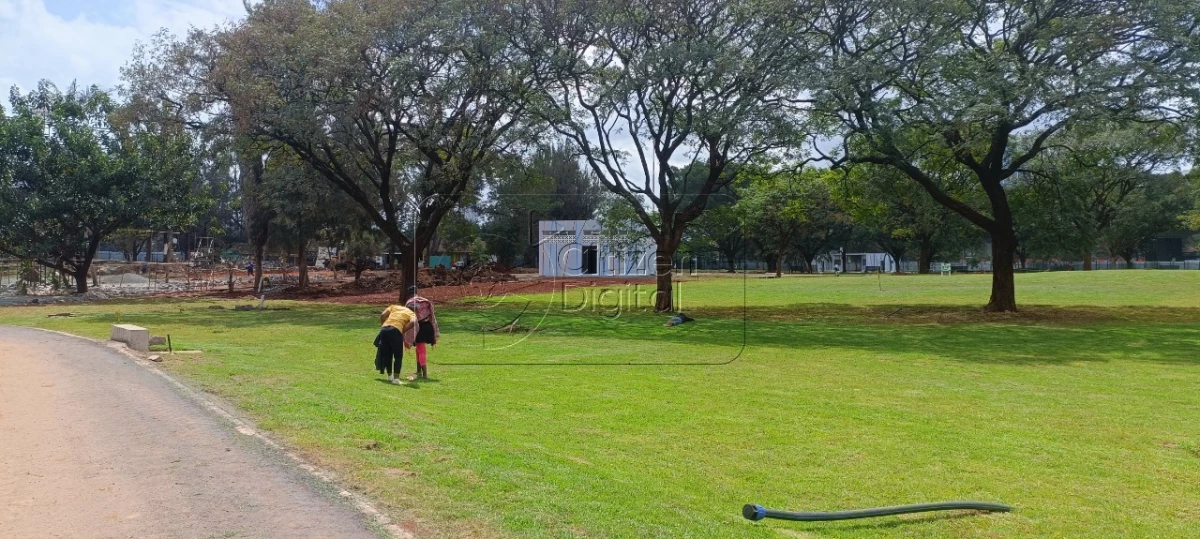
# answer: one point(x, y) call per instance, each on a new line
point(397, 331)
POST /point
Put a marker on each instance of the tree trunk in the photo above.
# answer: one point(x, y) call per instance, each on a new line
point(259, 247)
point(1004, 296)
point(410, 258)
point(408, 272)
point(730, 262)
point(135, 248)
point(663, 300)
point(925, 256)
point(432, 246)
point(779, 263)
point(81, 271)
point(1087, 262)
point(302, 265)
point(81, 280)
point(255, 219)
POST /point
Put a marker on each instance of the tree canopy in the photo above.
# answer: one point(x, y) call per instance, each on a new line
point(79, 170)
point(989, 85)
point(398, 105)
point(1018, 117)
point(636, 85)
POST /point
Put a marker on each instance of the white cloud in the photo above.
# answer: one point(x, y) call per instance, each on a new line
point(36, 44)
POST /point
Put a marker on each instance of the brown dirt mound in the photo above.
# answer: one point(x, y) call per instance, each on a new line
point(440, 286)
point(428, 278)
point(477, 289)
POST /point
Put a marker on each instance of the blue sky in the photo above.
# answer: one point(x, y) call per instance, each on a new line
point(89, 40)
point(109, 11)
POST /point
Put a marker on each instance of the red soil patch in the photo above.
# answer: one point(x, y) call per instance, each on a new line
point(341, 290)
point(453, 293)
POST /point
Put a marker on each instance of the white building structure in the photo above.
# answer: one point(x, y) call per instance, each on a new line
point(864, 262)
point(581, 249)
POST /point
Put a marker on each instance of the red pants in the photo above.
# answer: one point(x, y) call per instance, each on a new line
point(420, 354)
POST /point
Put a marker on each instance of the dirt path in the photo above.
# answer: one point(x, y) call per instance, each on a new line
point(94, 446)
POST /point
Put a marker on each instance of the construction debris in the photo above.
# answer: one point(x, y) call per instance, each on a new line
point(427, 278)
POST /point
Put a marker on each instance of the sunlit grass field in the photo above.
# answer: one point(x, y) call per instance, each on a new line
point(552, 416)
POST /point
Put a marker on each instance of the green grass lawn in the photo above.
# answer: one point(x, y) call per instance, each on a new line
point(843, 392)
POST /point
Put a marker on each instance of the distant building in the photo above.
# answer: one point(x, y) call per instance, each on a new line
point(582, 249)
point(864, 262)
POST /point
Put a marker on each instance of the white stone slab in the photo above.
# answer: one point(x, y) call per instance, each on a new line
point(135, 337)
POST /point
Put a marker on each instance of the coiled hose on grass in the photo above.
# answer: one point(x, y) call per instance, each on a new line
point(758, 512)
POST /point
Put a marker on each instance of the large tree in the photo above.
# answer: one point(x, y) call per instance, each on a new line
point(181, 80)
point(575, 192)
point(900, 216)
point(1191, 218)
point(1084, 183)
point(826, 224)
point(638, 85)
point(398, 105)
point(1039, 228)
point(79, 171)
point(551, 184)
point(518, 198)
point(1147, 211)
point(988, 84)
point(301, 204)
point(773, 206)
point(224, 220)
point(719, 229)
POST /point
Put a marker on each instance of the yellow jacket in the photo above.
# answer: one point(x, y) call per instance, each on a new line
point(401, 318)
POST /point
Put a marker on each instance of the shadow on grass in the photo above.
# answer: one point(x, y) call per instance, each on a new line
point(1038, 335)
point(955, 314)
point(407, 383)
point(894, 522)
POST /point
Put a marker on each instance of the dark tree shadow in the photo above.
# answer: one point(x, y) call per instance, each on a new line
point(1038, 335)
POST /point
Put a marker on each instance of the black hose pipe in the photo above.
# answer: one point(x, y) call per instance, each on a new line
point(758, 512)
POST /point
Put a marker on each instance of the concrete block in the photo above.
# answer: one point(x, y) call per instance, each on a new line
point(135, 337)
point(158, 340)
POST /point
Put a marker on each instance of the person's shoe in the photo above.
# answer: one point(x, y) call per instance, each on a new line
point(396, 381)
